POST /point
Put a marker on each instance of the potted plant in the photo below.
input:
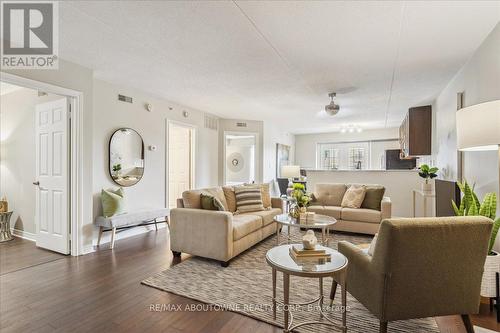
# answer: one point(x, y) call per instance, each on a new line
point(471, 206)
point(427, 173)
point(301, 200)
point(116, 170)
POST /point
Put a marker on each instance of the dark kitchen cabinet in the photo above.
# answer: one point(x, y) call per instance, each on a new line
point(415, 133)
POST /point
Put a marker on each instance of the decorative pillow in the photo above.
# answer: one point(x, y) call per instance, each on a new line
point(353, 197)
point(113, 202)
point(209, 202)
point(373, 197)
point(248, 198)
point(230, 198)
point(371, 249)
point(266, 196)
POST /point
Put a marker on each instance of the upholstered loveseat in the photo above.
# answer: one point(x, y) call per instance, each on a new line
point(219, 235)
point(327, 200)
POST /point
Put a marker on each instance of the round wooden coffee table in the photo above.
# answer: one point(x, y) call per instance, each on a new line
point(280, 260)
point(319, 222)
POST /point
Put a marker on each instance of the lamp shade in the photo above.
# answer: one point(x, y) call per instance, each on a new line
point(290, 171)
point(478, 127)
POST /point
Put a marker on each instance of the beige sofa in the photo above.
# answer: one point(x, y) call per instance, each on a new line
point(328, 199)
point(219, 235)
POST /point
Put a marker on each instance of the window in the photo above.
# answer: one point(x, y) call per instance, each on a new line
point(357, 158)
point(329, 159)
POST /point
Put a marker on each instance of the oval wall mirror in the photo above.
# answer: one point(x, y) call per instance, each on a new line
point(126, 157)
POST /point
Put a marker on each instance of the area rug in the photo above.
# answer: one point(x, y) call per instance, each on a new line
point(246, 287)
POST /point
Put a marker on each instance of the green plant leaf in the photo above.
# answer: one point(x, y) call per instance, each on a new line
point(494, 233)
point(433, 170)
point(455, 208)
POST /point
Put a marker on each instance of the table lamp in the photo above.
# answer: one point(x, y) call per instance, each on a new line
point(290, 172)
point(478, 128)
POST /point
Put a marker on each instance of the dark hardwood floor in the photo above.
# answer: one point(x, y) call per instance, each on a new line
point(19, 253)
point(101, 292)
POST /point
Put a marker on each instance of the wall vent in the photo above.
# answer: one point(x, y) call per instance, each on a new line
point(211, 122)
point(241, 124)
point(124, 98)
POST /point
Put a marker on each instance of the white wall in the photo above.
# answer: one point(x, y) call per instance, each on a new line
point(18, 155)
point(479, 79)
point(273, 135)
point(111, 114)
point(305, 144)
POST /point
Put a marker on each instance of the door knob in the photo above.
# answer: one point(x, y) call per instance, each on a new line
point(37, 183)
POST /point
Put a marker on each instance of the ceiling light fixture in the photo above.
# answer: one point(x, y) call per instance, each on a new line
point(332, 109)
point(350, 129)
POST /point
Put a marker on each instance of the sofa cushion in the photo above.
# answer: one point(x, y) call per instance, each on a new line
point(248, 198)
point(361, 215)
point(230, 198)
point(373, 197)
point(113, 202)
point(266, 215)
point(244, 224)
point(209, 202)
point(353, 197)
point(329, 194)
point(192, 198)
point(266, 195)
point(332, 211)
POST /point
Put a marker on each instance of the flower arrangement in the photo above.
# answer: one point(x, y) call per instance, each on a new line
point(301, 199)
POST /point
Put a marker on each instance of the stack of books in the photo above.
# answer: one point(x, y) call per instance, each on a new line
point(298, 253)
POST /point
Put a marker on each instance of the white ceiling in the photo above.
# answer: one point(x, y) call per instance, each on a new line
point(278, 60)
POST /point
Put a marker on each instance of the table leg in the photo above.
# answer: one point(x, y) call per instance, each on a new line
point(286, 299)
point(277, 234)
point(323, 236)
point(289, 234)
point(343, 283)
point(321, 296)
point(274, 293)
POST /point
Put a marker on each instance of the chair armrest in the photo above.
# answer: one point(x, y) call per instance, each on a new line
point(201, 232)
point(364, 280)
point(277, 203)
point(386, 208)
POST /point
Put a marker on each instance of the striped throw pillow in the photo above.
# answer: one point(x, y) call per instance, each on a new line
point(248, 198)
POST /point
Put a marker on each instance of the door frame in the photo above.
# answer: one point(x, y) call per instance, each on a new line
point(256, 153)
point(75, 137)
point(194, 129)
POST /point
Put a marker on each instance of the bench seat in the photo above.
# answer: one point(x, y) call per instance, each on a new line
point(129, 219)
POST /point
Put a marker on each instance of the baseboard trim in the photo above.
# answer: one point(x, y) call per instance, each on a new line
point(24, 234)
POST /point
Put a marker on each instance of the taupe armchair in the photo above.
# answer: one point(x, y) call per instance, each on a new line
point(423, 267)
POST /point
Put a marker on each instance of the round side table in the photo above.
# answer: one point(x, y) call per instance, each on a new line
point(5, 234)
point(280, 260)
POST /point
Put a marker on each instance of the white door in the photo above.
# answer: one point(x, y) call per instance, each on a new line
point(52, 190)
point(179, 161)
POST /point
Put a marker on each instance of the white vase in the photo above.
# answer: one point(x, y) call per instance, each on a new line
point(488, 283)
point(427, 187)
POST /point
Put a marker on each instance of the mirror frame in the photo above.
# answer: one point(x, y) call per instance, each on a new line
point(109, 155)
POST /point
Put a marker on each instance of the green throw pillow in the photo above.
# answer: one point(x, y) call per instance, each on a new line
point(113, 202)
point(373, 197)
point(210, 202)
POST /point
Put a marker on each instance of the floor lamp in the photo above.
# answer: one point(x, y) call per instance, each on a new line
point(478, 128)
